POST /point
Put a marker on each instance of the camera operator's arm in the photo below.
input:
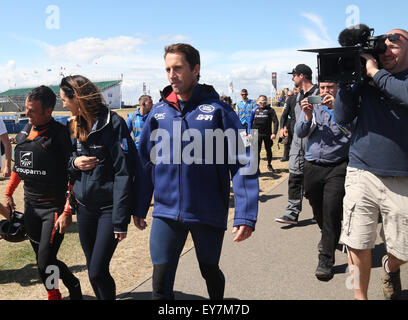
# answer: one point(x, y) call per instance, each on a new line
point(394, 88)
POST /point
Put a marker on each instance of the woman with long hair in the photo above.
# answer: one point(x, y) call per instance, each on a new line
point(102, 173)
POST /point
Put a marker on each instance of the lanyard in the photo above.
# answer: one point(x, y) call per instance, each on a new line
point(341, 128)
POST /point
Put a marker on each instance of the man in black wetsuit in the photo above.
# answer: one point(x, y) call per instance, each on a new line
point(41, 161)
point(261, 119)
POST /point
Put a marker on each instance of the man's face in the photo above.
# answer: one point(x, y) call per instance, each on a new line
point(297, 79)
point(244, 95)
point(182, 79)
point(262, 102)
point(148, 104)
point(328, 88)
point(395, 59)
point(35, 113)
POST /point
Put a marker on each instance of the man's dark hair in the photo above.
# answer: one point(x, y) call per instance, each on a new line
point(45, 95)
point(191, 54)
point(144, 98)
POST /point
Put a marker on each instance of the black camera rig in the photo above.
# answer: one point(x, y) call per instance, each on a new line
point(344, 64)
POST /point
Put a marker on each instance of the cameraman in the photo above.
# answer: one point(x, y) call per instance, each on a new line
point(377, 174)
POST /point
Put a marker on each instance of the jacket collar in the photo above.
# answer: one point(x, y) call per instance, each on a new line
point(103, 119)
point(200, 92)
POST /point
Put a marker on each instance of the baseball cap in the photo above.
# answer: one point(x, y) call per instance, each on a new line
point(302, 69)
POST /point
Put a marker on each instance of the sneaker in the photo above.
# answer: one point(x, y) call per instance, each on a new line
point(284, 159)
point(269, 167)
point(391, 282)
point(75, 292)
point(54, 294)
point(324, 271)
point(287, 220)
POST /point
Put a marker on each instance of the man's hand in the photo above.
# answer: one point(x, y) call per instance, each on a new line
point(140, 223)
point(242, 233)
point(84, 163)
point(63, 222)
point(307, 109)
point(283, 132)
point(10, 203)
point(328, 101)
point(273, 136)
point(6, 172)
point(371, 64)
point(120, 236)
point(5, 212)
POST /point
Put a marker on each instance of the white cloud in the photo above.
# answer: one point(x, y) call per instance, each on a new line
point(88, 49)
point(174, 38)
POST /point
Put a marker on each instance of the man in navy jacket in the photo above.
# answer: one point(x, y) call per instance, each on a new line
point(192, 144)
point(377, 174)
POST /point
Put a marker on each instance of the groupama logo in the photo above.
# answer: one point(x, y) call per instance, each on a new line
point(26, 159)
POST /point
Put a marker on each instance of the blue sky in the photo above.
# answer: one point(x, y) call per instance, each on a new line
point(240, 41)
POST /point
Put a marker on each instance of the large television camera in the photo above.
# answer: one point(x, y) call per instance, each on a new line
point(345, 64)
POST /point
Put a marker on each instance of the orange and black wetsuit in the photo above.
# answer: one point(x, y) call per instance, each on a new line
point(41, 161)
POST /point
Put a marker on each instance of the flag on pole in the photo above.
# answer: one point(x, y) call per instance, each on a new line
point(275, 80)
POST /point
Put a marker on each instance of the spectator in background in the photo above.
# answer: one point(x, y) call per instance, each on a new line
point(261, 119)
point(227, 100)
point(287, 122)
point(325, 171)
point(135, 120)
point(377, 175)
point(244, 108)
point(5, 149)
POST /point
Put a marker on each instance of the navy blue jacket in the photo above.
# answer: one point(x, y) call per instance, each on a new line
point(199, 191)
point(379, 143)
point(111, 184)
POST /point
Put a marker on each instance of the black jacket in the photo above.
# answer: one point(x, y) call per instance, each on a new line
point(111, 184)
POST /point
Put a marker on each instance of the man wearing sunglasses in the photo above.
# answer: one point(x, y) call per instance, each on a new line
point(377, 174)
point(244, 108)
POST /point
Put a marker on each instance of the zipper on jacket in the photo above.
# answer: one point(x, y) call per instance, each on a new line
point(180, 166)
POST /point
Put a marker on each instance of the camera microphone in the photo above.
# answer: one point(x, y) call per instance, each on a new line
point(354, 35)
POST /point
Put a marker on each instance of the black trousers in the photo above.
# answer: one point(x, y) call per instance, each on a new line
point(268, 143)
point(39, 223)
point(324, 188)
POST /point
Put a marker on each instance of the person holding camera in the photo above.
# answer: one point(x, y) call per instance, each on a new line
point(326, 162)
point(377, 174)
point(302, 78)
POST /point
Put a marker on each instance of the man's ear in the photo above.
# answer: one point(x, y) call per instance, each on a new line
point(49, 112)
point(196, 70)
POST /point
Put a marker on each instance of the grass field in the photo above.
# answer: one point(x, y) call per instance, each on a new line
point(131, 263)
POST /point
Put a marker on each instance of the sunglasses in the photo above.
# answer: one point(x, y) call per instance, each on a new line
point(244, 94)
point(394, 37)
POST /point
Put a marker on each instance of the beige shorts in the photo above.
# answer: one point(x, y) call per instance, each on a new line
point(367, 196)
